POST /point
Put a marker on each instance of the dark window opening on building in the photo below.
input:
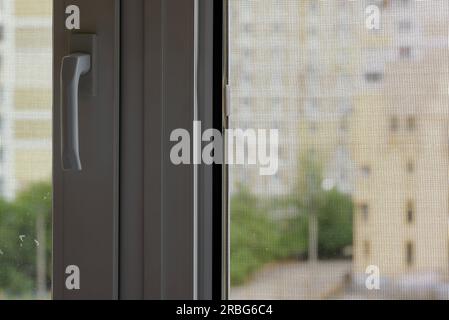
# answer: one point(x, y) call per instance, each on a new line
point(367, 248)
point(410, 253)
point(410, 167)
point(410, 212)
point(405, 52)
point(364, 209)
point(411, 123)
point(373, 77)
point(394, 124)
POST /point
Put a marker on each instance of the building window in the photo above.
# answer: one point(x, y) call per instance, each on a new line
point(373, 77)
point(410, 212)
point(314, 6)
point(246, 78)
point(405, 52)
point(313, 127)
point(366, 171)
point(246, 53)
point(364, 211)
point(410, 167)
point(409, 253)
point(247, 28)
point(344, 104)
point(344, 126)
point(394, 124)
point(312, 31)
point(384, 3)
point(411, 123)
point(404, 26)
point(367, 248)
point(312, 109)
point(277, 27)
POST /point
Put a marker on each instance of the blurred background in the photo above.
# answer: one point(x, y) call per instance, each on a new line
point(25, 148)
point(359, 93)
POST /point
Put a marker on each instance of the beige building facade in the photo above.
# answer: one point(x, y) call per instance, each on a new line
point(400, 142)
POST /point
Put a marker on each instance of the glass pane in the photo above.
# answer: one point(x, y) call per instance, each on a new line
point(25, 148)
point(359, 204)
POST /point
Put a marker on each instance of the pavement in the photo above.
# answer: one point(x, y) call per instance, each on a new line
point(295, 281)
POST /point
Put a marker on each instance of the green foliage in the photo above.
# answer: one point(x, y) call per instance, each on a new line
point(308, 193)
point(257, 239)
point(17, 239)
point(333, 208)
point(335, 224)
point(254, 236)
point(293, 242)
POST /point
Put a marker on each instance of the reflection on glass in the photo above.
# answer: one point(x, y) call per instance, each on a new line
point(25, 148)
point(359, 208)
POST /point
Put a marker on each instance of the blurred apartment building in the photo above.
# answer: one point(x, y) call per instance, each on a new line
point(400, 143)
point(372, 105)
point(291, 63)
point(25, 93)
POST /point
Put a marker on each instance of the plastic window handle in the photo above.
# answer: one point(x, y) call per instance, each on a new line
point(73, 67)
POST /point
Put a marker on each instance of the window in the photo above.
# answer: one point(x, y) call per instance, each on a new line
point(366, 171)
point(44, 189)
point(404, 26)
point(367, 249)
point(344, 126)
point(276, 27)
point(246, 79)
point(410, 166)
point(373, 77)
point(410, 212)
point(405, 52)
point(313, 127)
point(312, 31)
point(409, 253)
point(411, 123)
point(246, 53)
point(312, 109)
point(371, 95)
point(314, 6)
point(364, 210)
point(394, 124)
point(247, 28)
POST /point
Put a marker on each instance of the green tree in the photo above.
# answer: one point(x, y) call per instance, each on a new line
point(332, 211)
point(19, 242)
point(335, 224)
point(257, 238)
point(254, 236)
